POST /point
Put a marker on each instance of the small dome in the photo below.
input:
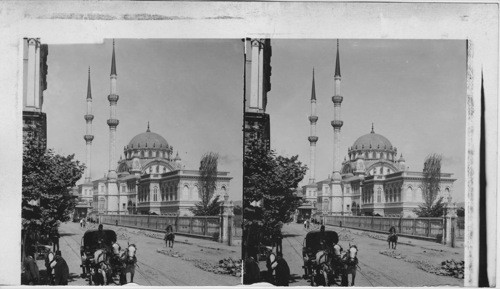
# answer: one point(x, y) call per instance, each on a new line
point(148, 139)
point(372, 140)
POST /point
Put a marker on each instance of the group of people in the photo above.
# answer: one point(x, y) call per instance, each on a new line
point(278, 271)
point(57, 271)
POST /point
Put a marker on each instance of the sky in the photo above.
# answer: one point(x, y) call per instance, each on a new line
point(190, 91)
point(414, 91)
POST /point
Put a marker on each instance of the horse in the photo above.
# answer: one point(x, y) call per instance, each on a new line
point(169, 236)
point(392, 239)
point(350, 261)
point(129, 261)
point(102, 268)
point(322, 268)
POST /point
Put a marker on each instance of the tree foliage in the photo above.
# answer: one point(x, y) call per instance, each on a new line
point(430, 188)
point(207, 185)
point(269, 187)
point(212, 209)
point(47, 180)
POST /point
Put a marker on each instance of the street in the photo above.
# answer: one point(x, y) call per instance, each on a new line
point(157, 265)
point(375, 269)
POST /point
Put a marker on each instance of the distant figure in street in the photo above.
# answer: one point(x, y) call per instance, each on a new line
point(282, 271)
point(31, 270)
point(308, 223)
point(278, 238)
point(61, 270)
point(305, 224)
point(55, 239)
point(101, 237)
point(169, 236)
point(81, 223)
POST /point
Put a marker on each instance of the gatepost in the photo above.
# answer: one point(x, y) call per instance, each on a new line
point(227, 220)
point(451, 220)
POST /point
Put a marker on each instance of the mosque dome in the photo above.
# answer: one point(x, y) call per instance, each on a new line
point(148, 139)
point(372, 140)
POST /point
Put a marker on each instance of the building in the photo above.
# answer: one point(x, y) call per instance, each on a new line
point(148, 179)
point(371, 180)
point(34, 84)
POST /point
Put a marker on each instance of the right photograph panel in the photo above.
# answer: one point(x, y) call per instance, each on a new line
point(354, 162)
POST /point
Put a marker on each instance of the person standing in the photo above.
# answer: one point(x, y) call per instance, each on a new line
point(61, 270)
point(270, 264)
point(31, 270)
point(55, 239)
point(282, 271)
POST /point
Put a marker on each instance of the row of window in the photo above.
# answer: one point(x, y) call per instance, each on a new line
point(373, 155)
point(148, 154)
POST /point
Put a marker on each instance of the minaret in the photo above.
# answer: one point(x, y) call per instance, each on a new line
point(88, 135)
point(312, 138)
point(336, 123)
point(112, 121)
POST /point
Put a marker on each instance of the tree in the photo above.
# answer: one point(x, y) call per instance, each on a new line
point(212, 209)
point(207, 185)
point(46, 193)
point(238, 210)
point(430, 188)
point(269, 187)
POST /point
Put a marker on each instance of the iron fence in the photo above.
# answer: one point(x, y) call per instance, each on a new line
point(423, 227)
point(208, 226)
point(237, 226)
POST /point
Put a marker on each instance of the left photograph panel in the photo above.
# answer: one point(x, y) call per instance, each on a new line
point(132, 162)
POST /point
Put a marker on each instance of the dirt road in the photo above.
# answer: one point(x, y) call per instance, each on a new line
point(157, 265)
point(375, 269)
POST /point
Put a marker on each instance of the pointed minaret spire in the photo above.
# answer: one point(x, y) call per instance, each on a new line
point(89, 92)
point(313, 118)
point(88, 135)
point(373, 131)
point(337, 62)
point(113, 62)
point(148, 128)
point(313, 92)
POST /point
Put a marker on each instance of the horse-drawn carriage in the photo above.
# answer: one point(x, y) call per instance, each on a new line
point(324, 260)
point(103, 260)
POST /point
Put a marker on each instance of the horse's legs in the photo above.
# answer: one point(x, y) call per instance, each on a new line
point(353, 277)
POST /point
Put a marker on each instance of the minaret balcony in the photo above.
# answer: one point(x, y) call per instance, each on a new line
point(113, 122)
point(313, 119)
point(113, 98)
point(337, 99)
point(337, 123)
point(88, 137)
point(89, 117)
point(313, 139)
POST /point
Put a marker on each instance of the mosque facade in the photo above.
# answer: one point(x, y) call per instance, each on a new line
point(148, 179)
point(372, 179)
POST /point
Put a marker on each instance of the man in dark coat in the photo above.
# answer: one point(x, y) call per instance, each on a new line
point(31, 271)
point(61, 270)
point(282, 271)
point(55, 239)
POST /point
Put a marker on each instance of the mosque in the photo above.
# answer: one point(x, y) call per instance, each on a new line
point(371, 180)
point(148, 178)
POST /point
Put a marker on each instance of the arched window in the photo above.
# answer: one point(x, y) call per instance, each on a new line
point(185, 193)
point(157, 169)
point(379, 195)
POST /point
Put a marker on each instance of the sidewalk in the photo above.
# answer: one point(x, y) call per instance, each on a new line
point(428, 245)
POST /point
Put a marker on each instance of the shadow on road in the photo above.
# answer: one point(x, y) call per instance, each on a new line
point(67, 234)
point(291, 235)
point(294, 278)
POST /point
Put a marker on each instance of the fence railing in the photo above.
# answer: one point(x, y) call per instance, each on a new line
point(208, 226)
point(422, 227)
point(237, 226)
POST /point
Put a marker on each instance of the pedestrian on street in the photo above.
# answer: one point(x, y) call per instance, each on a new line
point(270, 264)
point(55, 239)
point(308, 223)
point(282, 271)
point(305, 224)
point(81, 223)
point(61, 270)
point(31, 271)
